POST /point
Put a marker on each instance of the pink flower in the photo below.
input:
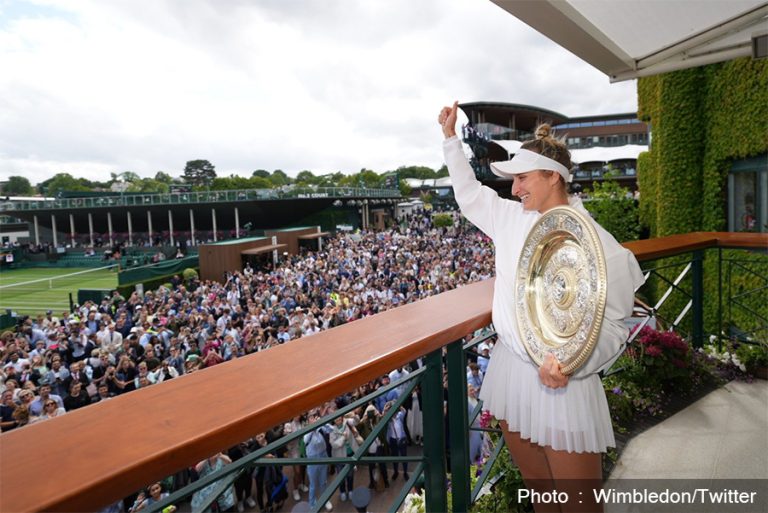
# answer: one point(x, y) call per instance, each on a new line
point(485, 419)
point(653, 351)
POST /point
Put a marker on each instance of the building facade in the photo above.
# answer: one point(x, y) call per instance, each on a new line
point(600, 144)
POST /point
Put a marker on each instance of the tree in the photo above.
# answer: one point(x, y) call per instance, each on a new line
point(162, 177)
point(233, 183)
point(64, 182)
point(259, 182)
point(279, 178)
point(365, 178)
point(443, 220)
point(420, 172)
point(261, 173)
point(614, 209)
point(199, 172)
point(369, 179)
point(331, 179)
point(405, 189)
point(18, 186)
point(127, 177)
point(222, 183)
point(152, 185)
point(306, 178)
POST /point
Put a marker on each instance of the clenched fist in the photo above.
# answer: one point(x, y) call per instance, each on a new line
point(447, 120)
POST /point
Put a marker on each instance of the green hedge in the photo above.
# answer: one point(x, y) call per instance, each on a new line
point(735, 113)
point(701, 120)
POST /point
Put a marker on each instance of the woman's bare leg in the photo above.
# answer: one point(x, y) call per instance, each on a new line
point(578, 474)
point(532, 461)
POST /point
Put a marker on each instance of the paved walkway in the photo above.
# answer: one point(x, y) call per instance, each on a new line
point(724, 435)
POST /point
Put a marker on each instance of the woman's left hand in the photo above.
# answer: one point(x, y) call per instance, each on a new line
point(549, 373)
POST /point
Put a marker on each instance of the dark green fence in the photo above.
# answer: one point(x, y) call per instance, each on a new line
point(166, 268)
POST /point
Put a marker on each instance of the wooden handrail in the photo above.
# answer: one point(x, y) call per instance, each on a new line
point(675, 244)
point(87, 458)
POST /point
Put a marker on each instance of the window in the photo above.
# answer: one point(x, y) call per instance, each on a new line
point(748, 195)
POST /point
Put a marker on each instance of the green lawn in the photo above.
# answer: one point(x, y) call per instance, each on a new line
point(36, 298)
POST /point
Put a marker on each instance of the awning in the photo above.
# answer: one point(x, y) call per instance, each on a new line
point(633, 38)
point(314, 235)
point(263, 249)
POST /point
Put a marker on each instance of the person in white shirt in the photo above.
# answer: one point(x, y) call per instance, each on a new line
point(399, 375)
point(109, 338)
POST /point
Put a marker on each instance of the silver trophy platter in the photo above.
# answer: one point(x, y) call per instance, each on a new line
point(561, 288)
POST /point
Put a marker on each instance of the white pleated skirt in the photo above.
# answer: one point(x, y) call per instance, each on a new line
point(574, 418)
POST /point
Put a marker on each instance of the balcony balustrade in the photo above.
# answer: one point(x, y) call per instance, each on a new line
point(99, 454)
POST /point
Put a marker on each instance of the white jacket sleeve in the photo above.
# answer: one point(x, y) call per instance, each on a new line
point(476, 201)
point(624, 276)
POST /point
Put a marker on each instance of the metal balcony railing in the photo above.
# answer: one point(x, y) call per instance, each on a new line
point(128, 442)
point(183, 198)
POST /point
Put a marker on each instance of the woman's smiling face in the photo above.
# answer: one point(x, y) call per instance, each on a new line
point(536, 190)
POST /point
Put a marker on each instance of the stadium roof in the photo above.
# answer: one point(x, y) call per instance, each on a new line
point(607, 153)
point(582, 156)
point(510, 146)
point(417, 183)
point(633, 38)
point(525, 115)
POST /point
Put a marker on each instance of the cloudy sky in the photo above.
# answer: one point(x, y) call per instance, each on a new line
point(91, 87)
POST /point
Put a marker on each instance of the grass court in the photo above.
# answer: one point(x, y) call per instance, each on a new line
point(33, 291)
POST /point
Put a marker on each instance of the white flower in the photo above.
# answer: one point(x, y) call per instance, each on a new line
point(414, 503)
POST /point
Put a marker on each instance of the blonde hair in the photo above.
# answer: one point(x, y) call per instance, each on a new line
point(550, 146)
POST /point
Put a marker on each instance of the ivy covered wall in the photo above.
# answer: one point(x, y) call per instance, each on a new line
point(702, 119)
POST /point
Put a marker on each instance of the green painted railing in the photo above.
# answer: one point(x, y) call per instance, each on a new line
point(430, 467)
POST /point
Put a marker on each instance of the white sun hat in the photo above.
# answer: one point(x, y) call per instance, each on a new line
point(525, 161)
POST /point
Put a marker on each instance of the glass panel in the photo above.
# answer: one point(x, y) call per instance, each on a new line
point(744, 198)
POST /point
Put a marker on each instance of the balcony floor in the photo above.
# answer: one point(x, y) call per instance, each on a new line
point(720, 436)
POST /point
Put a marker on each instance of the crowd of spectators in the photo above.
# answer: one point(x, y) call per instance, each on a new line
point(53, 365)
